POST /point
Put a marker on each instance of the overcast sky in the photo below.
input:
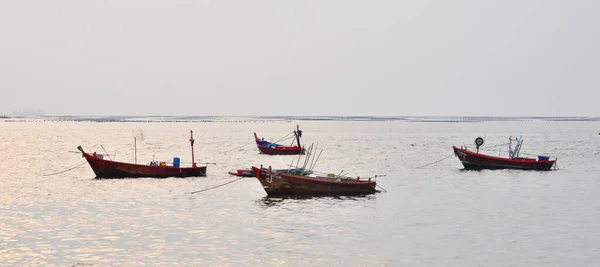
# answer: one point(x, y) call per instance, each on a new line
point(332, 57)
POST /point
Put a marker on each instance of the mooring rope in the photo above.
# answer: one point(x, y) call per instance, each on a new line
point(65, 170)
point(284, 138)
point(381, 188)
point(434, 161)
point(237, 148)
point(488, 147)
point(219, 185)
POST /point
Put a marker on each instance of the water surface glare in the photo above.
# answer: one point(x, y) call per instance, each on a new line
point(439, 215)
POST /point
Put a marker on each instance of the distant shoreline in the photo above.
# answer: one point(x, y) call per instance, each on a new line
point(452, 119)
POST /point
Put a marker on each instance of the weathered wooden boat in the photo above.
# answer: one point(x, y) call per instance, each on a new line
point(104, 168)
point(282, 184)
point(473, 160)
point(249, 173)
point(269, 148)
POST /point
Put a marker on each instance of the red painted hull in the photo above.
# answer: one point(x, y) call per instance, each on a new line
point(113, 169)
point(281, 150)
point(278, 149)
point(281, 184)
point(475, 161)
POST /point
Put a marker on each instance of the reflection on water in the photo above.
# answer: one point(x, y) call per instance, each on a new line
point(332, 200)
point(438, 215)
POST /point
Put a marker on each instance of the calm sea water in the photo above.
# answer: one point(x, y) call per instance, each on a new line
point(438, 215)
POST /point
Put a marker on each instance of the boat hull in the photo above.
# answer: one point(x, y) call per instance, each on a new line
point(281, 150)
point(277, 149)
point(475, 161)
point(281, 184)
point(113, 169)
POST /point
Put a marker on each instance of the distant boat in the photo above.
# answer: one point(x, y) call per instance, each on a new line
point(269, 148)
point(282, 184)
point(104, 168)
point(473, 160)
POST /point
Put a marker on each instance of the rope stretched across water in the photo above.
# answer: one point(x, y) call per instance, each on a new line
point(238, 148)
point(435, 161)
point(66, 170)
point(219, 185)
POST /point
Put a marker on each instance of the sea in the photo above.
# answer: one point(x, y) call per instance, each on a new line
point(430, 212)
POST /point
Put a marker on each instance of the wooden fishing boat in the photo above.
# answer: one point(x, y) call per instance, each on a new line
point(104, 168)
point(473, 160)
point(269, 148)
point(282, 184)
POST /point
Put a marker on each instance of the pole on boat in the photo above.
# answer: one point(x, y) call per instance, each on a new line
point(106, 152)
point(135, 149)
point(298, 134)
point(313, 157)
point(307, 159)
point(313, 166)
point(192, 144)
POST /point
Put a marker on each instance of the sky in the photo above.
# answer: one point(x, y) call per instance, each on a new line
point(300, 58)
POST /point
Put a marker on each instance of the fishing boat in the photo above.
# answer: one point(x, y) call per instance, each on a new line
point(272, 148)
point(473, 160)
point(301, 181)
point(107, 168)
point(283, 184)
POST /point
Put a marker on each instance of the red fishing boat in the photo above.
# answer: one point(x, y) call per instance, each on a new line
point(104, 168)
point(282, 184)
point(269, 148)
point(473, 160)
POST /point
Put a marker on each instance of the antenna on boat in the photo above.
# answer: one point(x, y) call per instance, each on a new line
point(137, 133)
point(192, 144)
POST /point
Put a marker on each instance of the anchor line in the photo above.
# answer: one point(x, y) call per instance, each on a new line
point(203, 190)
point(65, 170)
point(434, 161)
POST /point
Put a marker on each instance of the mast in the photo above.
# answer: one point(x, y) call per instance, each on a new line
point(514, 153)
point(510, 149)
point(135, 149)
point(518, 146)
point(192, 144)
point(298, 134)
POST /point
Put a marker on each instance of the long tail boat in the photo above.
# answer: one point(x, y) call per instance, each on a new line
point(473, 160)
point(104, 168)
point(283, 184)
point(269, 148)
point(299, 180)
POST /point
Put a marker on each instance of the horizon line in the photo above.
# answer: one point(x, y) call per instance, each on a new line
point(302, 116)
